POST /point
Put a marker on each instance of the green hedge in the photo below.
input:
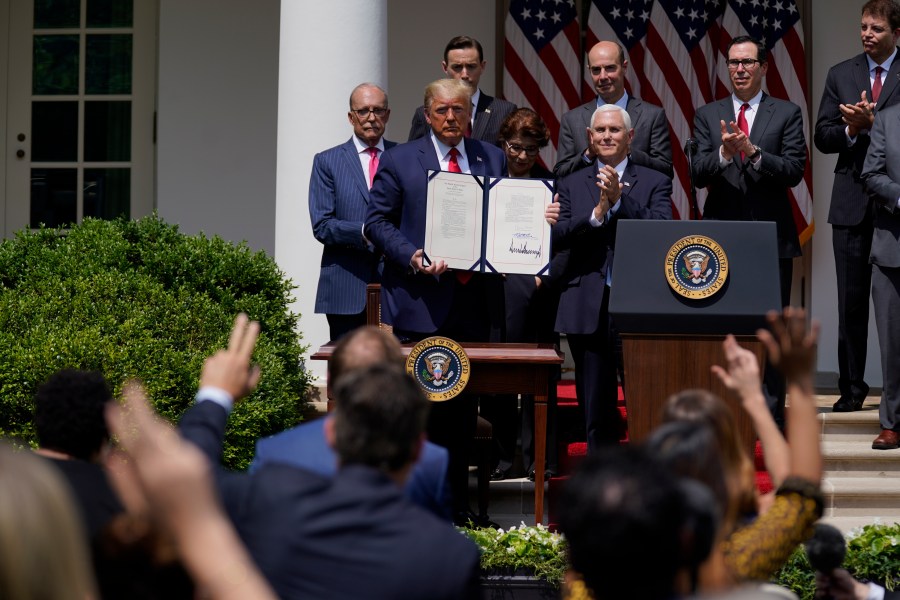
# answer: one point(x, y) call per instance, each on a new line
point(139, 299)
point(873, 553)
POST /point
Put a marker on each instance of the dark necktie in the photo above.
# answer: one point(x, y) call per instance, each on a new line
point(876, 85)
point(742, 122)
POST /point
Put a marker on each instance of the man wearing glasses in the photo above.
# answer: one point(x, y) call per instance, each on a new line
point(338, 197)
point(651, 146)
point(464, 61)
point(751, 150)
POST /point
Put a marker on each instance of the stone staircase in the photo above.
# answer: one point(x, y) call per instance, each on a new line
point(860, 485)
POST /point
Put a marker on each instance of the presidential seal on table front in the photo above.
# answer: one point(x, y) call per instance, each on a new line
point(440, 366)
point(696, 267)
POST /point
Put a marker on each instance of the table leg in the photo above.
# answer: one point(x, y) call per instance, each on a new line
point(540, 455)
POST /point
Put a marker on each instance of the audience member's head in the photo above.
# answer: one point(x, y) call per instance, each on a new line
point(702, 406)
point(523, 134)
point(362, 347)
point(379, 418)
point(69, 413)
point(42, 544)
point(624, 512)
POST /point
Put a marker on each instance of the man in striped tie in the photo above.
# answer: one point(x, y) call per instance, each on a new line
point(338, 197)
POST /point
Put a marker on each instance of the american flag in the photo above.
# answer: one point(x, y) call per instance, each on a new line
point(542, 62)
point(676, 54)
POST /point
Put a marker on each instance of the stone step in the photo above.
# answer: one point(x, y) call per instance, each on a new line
point(852, 459)
point(860, 426)
point(870, 497)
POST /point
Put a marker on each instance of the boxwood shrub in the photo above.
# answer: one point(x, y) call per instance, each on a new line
point(140, 299)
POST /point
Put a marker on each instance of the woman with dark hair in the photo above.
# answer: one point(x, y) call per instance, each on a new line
point(531, 303)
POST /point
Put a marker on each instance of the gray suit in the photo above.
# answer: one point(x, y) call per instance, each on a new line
point(651, 146)
point(881, 172)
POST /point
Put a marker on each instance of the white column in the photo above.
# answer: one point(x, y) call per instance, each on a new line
point(326, 49)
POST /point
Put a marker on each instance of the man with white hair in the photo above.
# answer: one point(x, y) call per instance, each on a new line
point(591, 201)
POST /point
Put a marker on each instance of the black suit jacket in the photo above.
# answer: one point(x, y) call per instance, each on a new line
point(845, 81)
point(489, 115)
point(648, 195)
point(651, 146)
point(353, 536)
point(741, 192)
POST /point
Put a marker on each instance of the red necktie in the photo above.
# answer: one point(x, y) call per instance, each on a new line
point(742, 122)
point(453, 166)
point(373, 164)
point(876, 85)
point(462, 276)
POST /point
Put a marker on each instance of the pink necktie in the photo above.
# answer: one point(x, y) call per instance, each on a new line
point(742, 122)
point(373, 164)
point(876, 85)
point(453, 166)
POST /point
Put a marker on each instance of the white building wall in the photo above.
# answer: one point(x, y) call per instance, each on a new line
point(217, 117)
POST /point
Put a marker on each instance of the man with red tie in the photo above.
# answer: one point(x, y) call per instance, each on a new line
point(338, 197)
point(751, 151)
point(421, 298)
point(855, 90)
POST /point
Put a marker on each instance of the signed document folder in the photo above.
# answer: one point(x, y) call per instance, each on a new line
point(488, 224)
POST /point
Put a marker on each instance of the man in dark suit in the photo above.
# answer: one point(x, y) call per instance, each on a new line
point(351, 536)
point(846, 115)
point(881, 173)
point(421, 298)
point(591, 202)
point(338, 196)
point(751, 150)
point(464, 60)
point(305, 445)
point(651, 146)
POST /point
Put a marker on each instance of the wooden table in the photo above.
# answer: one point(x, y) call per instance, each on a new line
point(509, 369)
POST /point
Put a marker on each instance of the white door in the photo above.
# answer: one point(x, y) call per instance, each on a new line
point(80, 101)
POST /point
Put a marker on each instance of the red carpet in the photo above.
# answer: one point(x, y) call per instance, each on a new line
point(575, 450)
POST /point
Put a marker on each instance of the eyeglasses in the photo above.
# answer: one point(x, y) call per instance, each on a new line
point(747, 63)
point(363, 113)
point(517, 149)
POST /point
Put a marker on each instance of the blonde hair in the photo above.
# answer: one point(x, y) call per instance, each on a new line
point(43, 546)
point(448, 88)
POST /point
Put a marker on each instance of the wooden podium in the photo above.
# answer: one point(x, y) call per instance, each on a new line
point(670, 342)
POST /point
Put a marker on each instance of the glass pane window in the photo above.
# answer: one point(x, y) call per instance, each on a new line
point(107, 68)
point(54, 131)
point(55, 14)
point(107, 131)
point(53, 197)
point(107, 193)
point(110, 13)
point(55, 65)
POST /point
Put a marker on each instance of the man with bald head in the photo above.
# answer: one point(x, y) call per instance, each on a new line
point(338, 196)
point(651, 146)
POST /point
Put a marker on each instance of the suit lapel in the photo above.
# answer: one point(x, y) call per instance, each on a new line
point(427, 155)
point(629, 179)
point(477, 164)
point(763, 118)
point(726, 110)
point(633, 107)
point(891, 81)
point(482, 115)
point(355, 168)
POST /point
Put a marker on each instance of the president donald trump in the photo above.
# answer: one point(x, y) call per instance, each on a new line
point(422, 298)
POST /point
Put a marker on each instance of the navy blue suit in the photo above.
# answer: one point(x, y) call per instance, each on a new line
point(338, 198)
point(305, 446)
point(584, 297)
point(351, 536)
point(395, 223)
